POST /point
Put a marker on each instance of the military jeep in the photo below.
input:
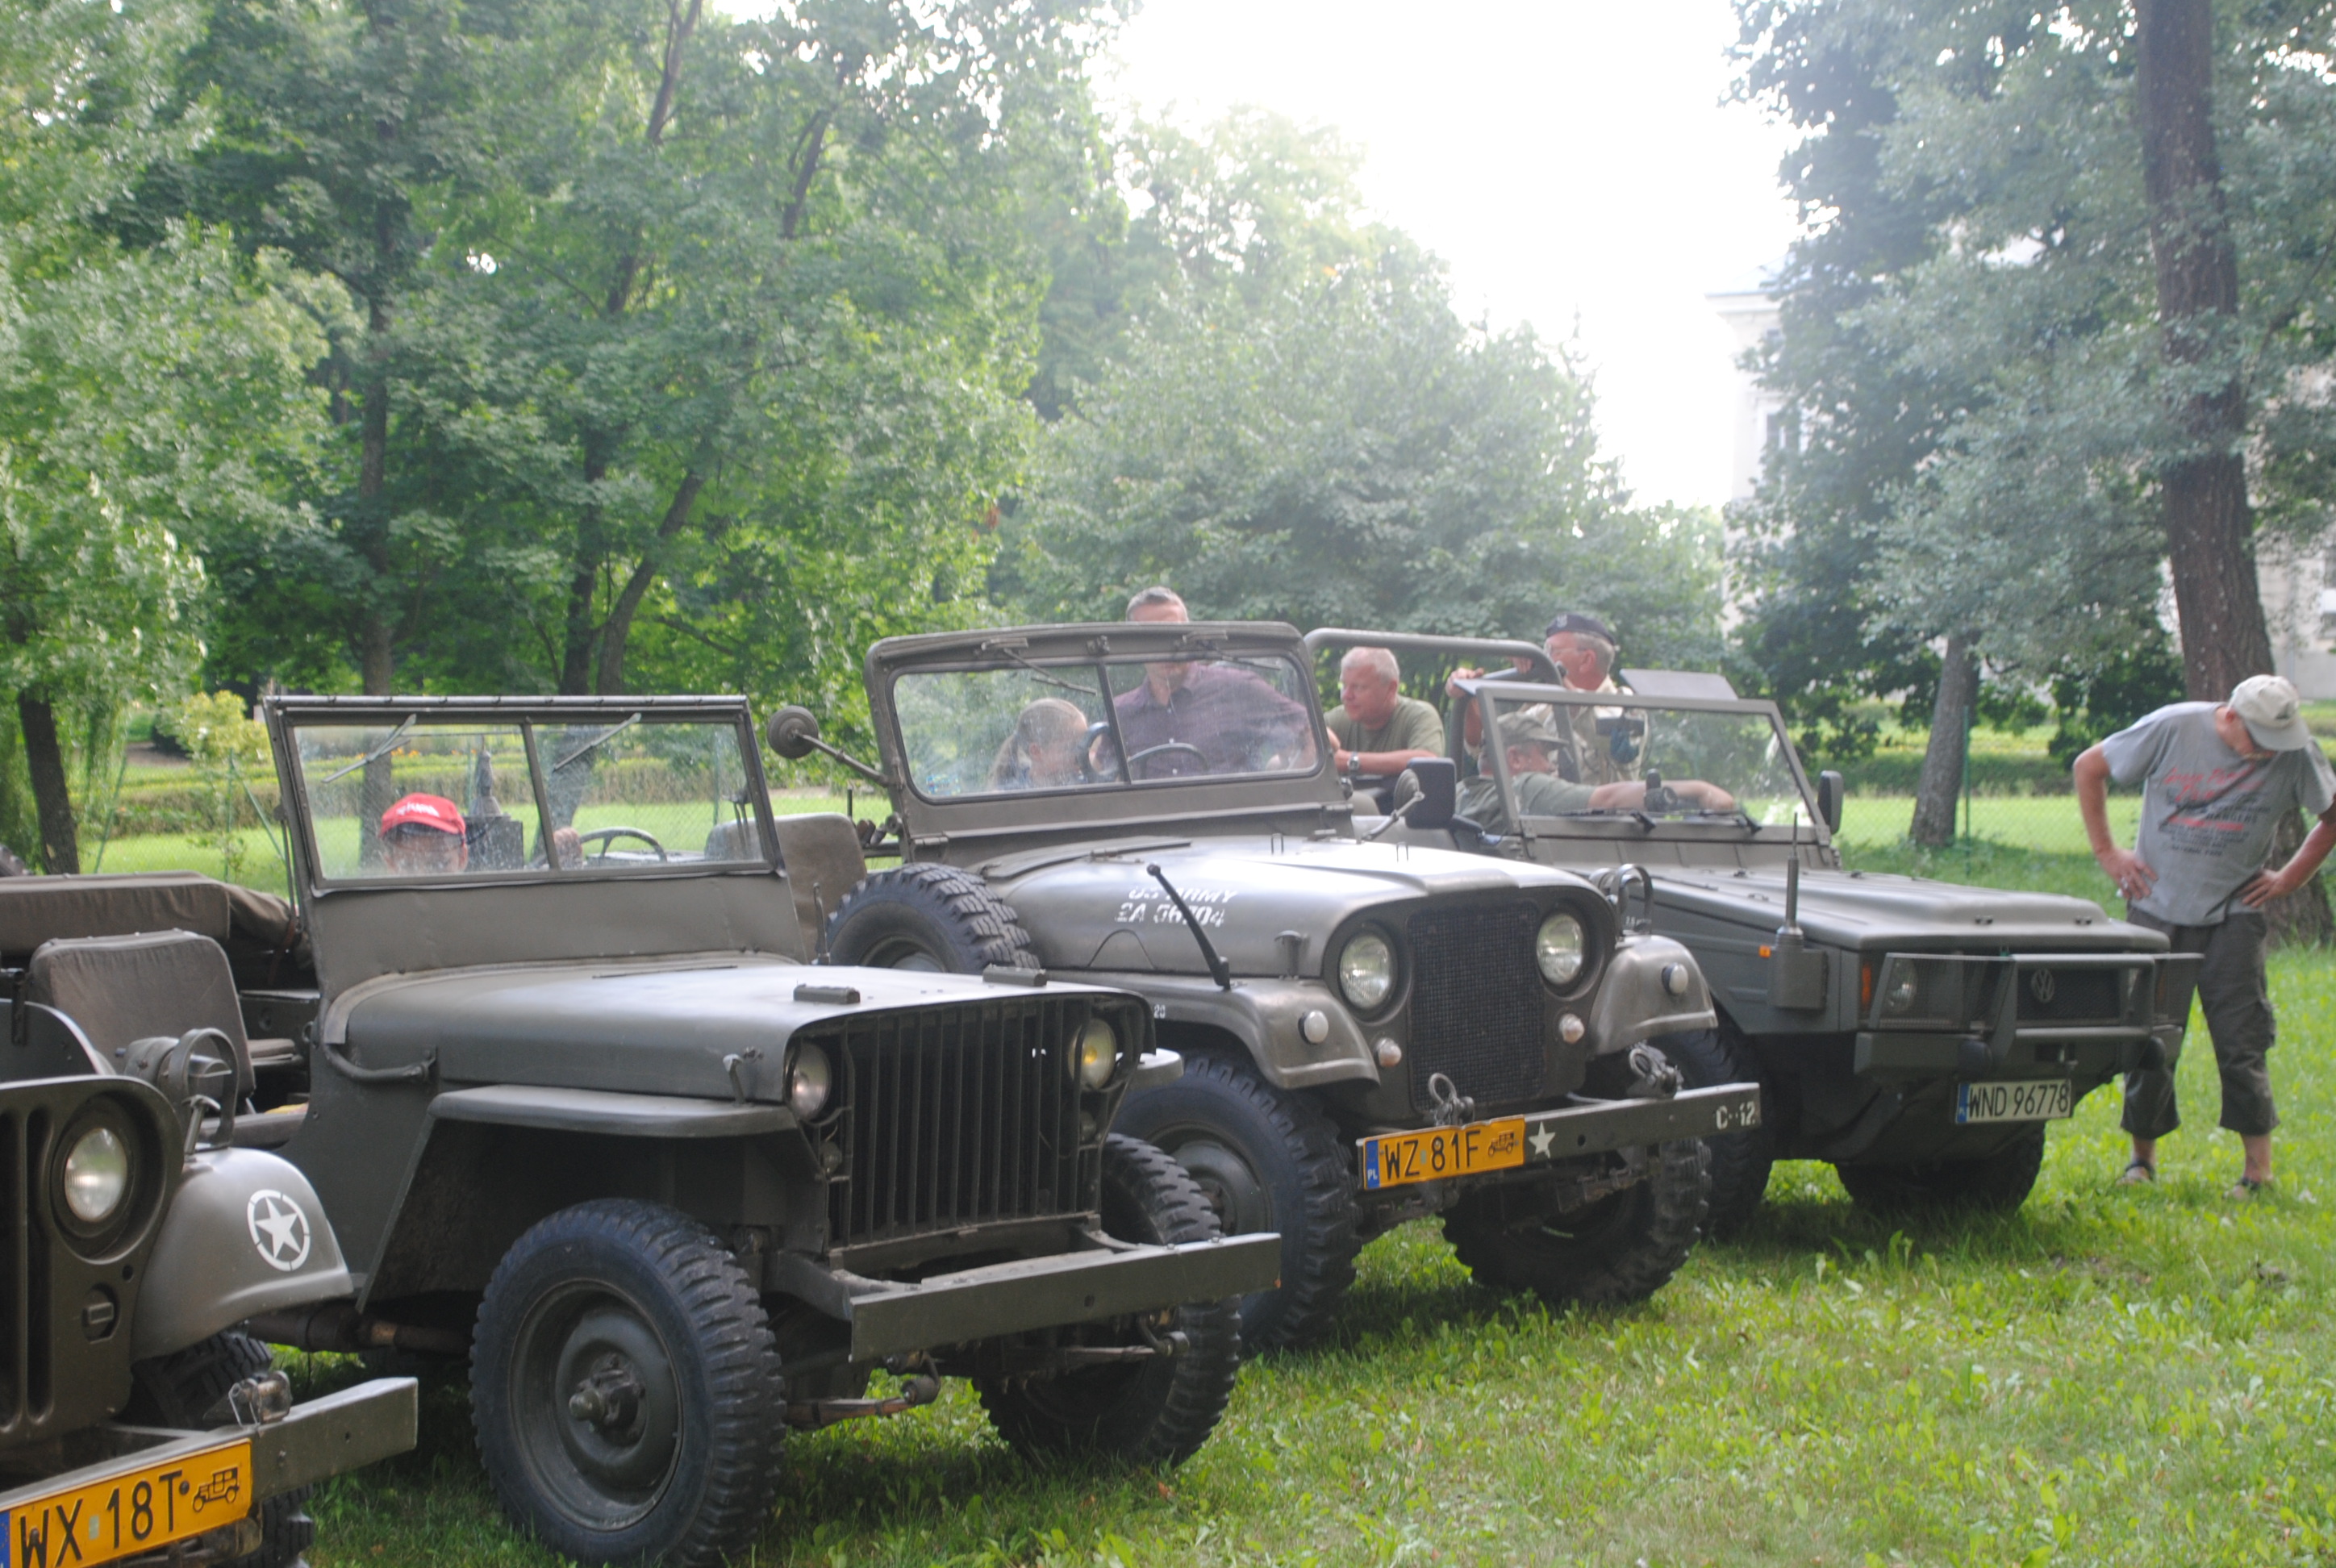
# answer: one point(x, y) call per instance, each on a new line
point(576, 1107)
point(1372, 1032)
point(1918, 1035)
point(136, 1418)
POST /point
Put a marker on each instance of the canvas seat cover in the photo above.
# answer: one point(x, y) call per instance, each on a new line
point(132, 987)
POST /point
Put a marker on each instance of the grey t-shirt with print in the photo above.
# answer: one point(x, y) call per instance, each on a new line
point(2207, 813)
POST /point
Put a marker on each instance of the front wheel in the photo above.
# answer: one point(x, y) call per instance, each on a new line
point(1741, 1160)
point(179, 1390)
point(1996, 1184)
point(1621, 1248)
point(1157, 1411)
point(625, 1389)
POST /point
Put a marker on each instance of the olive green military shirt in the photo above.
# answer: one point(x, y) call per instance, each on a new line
point(1541, 795)
point(1415, 726)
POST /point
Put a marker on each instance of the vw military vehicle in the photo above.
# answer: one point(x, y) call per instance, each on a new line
point(542, 1052)
point(1372, 1031)
point(136, 1418)
point(1918, 1035)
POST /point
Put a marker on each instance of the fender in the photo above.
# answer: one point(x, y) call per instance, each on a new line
point(1634, 1004)
point(245, 1234)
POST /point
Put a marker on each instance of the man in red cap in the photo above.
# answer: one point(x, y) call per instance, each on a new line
point(424, 835)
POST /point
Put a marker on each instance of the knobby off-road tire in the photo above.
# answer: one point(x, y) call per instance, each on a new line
point(178, 1388)
point(1739, 1161)
point(1266, 1161)
point(928, 917)
point(1621, 1248)
point(1996, 1184)
point(1154, 1412)
point(642, 1304)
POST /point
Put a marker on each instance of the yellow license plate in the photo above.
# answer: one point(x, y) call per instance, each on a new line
point(1436, 1153)
point(141, 1510)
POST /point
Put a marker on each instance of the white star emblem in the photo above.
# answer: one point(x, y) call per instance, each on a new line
point(1543, 1136)
point(279, 1228)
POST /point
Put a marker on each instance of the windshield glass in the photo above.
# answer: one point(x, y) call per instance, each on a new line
point(1567, 759)
point(1102, 724)
point(429, 800)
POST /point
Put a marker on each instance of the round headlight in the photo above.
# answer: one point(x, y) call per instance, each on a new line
point(810, 1078)
point(1094, 1053)
point(1366, 969)
point(1558, 950)
point(1900, 996)
point(97, 1176)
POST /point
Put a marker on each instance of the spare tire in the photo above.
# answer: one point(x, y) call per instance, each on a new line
point(928, 917)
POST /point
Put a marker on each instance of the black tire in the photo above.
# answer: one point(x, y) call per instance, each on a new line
point(1622, 1248)
point(1996, 1184)
point(1265, 1160)
point(682, 1467)
point(178, 1390)
point(928, 917)
point(1739, 1161)
point(1154, 1412)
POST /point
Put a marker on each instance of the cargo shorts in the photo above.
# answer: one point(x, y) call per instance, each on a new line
point(2232, 994)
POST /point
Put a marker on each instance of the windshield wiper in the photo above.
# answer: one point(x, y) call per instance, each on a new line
point(1039, 670)
point(377, 753)
point(603, 738)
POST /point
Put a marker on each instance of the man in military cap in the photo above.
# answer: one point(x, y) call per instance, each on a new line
point(1527, 737)
point(1584, 648)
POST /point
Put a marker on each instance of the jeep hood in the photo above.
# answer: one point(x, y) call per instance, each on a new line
point(1096, 907)
point(1873, 912)
point(657, 1028)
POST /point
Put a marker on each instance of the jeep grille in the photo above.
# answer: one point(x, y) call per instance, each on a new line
point(1477, 1010)
point(958, 1116)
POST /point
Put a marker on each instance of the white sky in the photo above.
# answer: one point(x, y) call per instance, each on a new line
point(1566, 158)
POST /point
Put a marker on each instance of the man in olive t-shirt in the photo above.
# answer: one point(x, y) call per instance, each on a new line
point(1378, 729)
point(2216, 781)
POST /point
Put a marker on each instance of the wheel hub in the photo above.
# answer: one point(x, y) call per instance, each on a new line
point(1241, 1203)
point(599, 1406)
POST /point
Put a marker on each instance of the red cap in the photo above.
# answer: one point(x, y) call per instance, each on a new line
point(426, 811)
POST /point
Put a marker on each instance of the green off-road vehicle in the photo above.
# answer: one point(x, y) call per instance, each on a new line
point(136, 1418)
point(1918, 1035)
point(1372, 1032)
point(544, 1042)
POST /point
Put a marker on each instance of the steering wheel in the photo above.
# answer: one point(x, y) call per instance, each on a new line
point(603, 835)
point(1163, 749)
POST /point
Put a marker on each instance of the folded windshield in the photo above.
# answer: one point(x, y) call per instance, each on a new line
point(409, 797)
point(1564, 759)
point(1102, 724)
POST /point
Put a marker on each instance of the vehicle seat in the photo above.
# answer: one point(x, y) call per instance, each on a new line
point(733, 841)
point(125, 989)
point(498, 844)
point(821, 853)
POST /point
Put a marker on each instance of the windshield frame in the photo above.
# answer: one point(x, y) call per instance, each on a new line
point(1508, 690)
point(286, 716)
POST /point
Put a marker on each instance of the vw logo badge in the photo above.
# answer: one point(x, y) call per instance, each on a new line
point(279, 1228)
point(2041, 986)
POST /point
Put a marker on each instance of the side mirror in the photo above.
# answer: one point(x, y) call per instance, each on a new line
point(1830, 793)
point(1438, 778)
point(791, 731)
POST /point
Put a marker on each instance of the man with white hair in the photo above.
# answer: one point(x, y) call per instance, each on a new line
point(2217, 779)
point(1376, 728)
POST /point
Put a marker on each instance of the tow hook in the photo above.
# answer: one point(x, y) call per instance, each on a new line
point(1448, 1108)
point(261, 1400)
point(1652, 1076)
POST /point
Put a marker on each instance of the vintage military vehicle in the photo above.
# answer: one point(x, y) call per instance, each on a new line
point(541, 1055)
point(135, 1417)
point(1372, 1031)
point(1918, 1035)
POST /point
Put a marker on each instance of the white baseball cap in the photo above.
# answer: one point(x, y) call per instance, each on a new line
point(2272, 711)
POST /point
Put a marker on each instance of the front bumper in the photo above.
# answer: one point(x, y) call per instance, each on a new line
point(1571, 1132)
point(1111, 1280)
point(1975, 1017)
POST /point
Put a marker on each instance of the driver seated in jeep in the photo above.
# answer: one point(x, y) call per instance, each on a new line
point(1193, 717)
point(1528, 740)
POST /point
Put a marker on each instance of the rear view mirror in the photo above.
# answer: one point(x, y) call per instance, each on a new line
point(1438, 779)
point(791, 731)
point(1830, 792)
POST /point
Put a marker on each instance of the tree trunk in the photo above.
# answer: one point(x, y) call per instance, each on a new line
point(2209, 519)
point(1943, 760)
point(618, 629)
point(60, 847)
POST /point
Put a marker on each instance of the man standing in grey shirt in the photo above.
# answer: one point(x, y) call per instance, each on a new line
point(2217, 779)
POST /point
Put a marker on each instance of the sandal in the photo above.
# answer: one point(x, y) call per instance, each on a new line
point(2137, 1173)
point(2246, 1187)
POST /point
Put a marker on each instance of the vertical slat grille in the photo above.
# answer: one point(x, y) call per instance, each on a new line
point(956, 1116)
point(1477, 1010)
point(15, 1332)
